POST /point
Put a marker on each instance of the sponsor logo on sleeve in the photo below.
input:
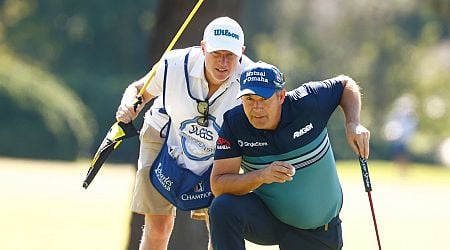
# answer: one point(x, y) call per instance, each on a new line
point(223, 144)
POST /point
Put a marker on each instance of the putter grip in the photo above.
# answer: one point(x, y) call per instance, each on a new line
point(365, 174)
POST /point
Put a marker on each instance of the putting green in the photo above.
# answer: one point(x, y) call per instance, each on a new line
point(43, 206)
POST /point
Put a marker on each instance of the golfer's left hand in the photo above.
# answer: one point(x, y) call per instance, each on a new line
point(358, 138)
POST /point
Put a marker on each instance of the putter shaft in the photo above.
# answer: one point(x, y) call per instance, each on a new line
point(368, 188)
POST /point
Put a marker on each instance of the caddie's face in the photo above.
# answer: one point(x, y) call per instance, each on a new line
point(264, 113)
point(219, 66)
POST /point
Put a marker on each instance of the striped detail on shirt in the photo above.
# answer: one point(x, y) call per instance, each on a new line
point(300, 158)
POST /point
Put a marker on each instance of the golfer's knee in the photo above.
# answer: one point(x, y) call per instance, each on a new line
point(222, 207)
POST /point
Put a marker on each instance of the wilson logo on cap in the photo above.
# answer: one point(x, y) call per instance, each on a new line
point(222, 32)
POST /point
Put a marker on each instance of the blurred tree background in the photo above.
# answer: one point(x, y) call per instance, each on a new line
point(65, 64)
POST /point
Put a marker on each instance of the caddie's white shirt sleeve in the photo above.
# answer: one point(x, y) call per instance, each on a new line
point(155, 86)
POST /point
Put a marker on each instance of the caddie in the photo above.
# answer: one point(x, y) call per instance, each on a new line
point(194, 86)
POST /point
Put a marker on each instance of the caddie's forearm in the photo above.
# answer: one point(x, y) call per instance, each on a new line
point(130, 94)
point(351, 101)
point(132, 91)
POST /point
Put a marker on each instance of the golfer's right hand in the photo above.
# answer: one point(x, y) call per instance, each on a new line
point(278, 171)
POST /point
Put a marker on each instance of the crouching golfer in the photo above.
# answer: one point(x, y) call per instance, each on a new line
point(289, 192)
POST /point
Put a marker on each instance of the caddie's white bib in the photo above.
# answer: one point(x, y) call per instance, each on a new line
point(189, 143)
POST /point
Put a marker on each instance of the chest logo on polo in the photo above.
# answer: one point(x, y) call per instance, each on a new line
point(302, 131)
point(198, 142)
point(252, 144)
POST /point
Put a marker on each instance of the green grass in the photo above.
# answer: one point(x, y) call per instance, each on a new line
point(43, 206)
point(388, 171)
point(411, 207)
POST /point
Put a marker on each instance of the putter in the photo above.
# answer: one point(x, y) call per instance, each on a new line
point(368, 187)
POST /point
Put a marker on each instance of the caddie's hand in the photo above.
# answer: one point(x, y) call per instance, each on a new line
point(126, 113)
point(278, 171)
point(358, 138)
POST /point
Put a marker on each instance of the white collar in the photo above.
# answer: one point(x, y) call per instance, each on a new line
point(198, 70)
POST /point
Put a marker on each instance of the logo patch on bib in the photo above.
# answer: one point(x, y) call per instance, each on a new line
point(199, 142)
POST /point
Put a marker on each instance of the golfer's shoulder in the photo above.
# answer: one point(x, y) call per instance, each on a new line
point(235, 116)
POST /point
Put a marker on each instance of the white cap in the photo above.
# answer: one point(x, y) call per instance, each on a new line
point(224, 33)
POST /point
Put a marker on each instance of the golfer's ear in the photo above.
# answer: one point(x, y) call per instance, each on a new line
point(282, 94)
point(243, 49)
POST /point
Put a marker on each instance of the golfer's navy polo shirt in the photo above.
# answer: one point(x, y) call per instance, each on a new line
point(314, 196)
